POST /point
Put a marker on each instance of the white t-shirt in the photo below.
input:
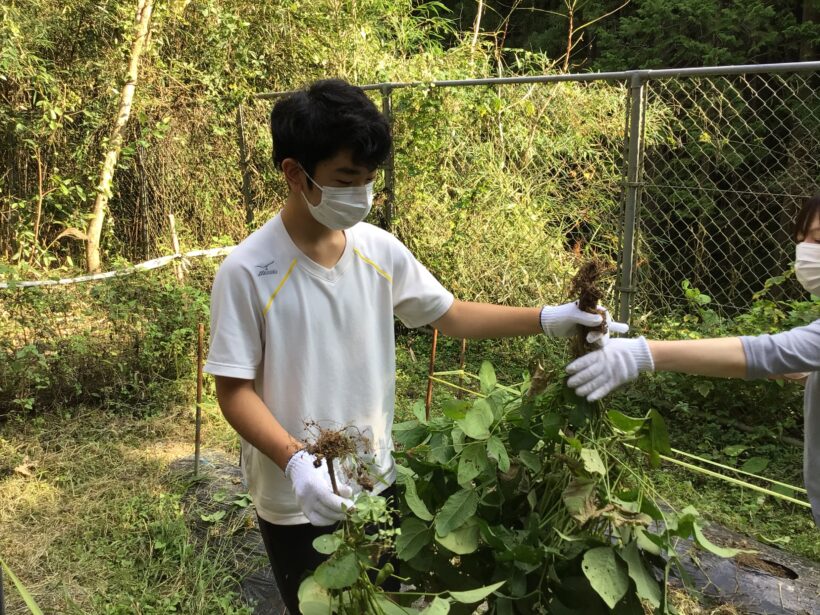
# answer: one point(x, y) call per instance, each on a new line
point(318, 343)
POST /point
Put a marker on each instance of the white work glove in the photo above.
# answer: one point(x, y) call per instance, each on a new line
point(314, 491)
point(562, 321)
point(619, 361)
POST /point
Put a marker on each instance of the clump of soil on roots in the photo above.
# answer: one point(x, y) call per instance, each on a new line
point(346, 444)
point(584, 286)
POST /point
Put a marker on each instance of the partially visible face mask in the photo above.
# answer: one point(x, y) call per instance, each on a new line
point(807, 266)
point(341, 206)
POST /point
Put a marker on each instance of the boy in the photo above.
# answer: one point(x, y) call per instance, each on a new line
point(302, 320)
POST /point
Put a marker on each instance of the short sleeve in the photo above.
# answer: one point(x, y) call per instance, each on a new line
point(418, 297)
point(797, 350)
point(236, 325)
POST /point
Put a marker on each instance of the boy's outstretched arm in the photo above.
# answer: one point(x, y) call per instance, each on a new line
point(484, 320)
point(465, 319)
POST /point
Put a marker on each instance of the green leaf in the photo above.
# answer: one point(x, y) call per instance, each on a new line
point(735, 449)
point(214, 517)
point(313, 599)
point(438, 606)
point(388, 607)
point(478, 420)
point(607, 577)
point(409, 433)
point(498, 452)
point(755, 464)
point(441, 450)
point(456, 510)
point(475, 595)
point(462, 540)
point(472, 462)
point(531, 460)
point(712, 547)
point(458, 439)
point(455, 408)
point(415, 535)
point(491, 535)
point(420, 412)
point(647, 541)
point(624, 423)
point(21, 589)
point(415, 503)
point(521, 439)
point(487, 377)
point(327, 544)
point(646, 586)
point(704, 387)
point(784, 490)
point(592, 461)
point(338, 572)
point(243, 500)
point(552, 426)
point(659, 433)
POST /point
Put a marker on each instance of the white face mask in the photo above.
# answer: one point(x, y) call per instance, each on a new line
point(341, 206)
point(807, 266)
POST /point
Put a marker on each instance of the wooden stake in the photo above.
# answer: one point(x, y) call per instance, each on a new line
point(200, 344)
point(428, 400)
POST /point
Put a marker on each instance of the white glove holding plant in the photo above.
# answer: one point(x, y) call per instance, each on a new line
point(314, 491)
point(619, 361)
point(563, 321)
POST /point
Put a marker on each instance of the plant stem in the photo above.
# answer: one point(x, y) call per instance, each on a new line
point(329, 461)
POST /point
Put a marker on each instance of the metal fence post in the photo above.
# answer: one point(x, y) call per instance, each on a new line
point(634, 185)
point(2, 600)
point(389, 166)
point(244, 165)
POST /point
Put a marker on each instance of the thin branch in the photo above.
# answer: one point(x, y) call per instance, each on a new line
point(589, 23)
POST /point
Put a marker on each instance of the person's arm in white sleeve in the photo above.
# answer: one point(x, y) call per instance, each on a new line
point(235, 353)
point(597, 373)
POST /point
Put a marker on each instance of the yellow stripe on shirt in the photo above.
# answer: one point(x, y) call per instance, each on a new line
point(378, 269)
point(278, 288)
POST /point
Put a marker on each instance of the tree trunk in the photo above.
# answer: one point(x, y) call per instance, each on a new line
point(115, 140)
point(477, 23)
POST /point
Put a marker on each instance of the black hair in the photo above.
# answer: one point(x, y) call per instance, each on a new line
point(807, 215)
point(316, 123)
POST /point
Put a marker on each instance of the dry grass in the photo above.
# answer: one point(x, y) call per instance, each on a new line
point(84, 528)
point(687, 604)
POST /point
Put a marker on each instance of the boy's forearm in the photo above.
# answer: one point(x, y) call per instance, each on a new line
point(250, 417)
point(722, 357)
point(483, 320)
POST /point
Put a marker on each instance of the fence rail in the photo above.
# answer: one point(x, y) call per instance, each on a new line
point(715, 161)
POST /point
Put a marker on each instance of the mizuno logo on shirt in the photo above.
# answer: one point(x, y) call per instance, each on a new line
point(265, 270)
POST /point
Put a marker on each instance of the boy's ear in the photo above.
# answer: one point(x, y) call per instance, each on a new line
point(294, 174)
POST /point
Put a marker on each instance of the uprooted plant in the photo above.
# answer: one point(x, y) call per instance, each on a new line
point(532, 494)
point(347, 445)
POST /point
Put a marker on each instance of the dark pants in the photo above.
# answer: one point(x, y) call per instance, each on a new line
point(292, 556)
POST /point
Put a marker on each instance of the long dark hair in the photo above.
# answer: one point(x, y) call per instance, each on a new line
point(809, 211)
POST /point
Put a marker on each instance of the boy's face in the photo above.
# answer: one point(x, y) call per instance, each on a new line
point(339, 171)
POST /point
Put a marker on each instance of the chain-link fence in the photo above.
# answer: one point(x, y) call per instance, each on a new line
point(678, 175)
point(726, 165)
